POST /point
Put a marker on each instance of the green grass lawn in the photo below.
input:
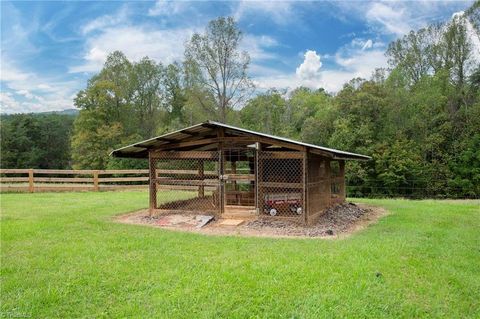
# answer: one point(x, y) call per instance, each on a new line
point(62, 256)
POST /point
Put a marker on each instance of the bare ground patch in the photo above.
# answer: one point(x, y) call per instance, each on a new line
point(338, 221)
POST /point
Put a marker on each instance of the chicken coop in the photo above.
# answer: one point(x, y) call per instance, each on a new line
point(226, 171)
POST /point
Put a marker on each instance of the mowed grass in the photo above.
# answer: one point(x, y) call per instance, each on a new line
point(62, 256)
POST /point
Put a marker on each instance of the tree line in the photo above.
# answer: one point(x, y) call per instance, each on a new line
point(419, 119)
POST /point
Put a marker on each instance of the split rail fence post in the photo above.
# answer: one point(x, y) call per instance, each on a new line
point(95, 181)
point(31, 187)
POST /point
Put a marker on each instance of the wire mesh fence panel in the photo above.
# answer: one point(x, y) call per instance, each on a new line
point(186, 181)
point(281, 184)
point(239, 176)
point(319, 185)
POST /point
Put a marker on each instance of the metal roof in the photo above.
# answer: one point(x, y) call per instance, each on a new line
point(140, 149)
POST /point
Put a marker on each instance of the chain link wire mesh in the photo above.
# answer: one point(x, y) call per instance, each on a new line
point(193, 181)
point(281, 184)
point(187, 181)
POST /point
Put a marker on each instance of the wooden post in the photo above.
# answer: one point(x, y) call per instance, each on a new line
point(341, 184)
point(305, 186)
point(234, 171)
point(221, 134)
point(153, 184)
point(31, 187)
point(95, 181)
point(258, 174)
point(328, 180)
point(201, 172)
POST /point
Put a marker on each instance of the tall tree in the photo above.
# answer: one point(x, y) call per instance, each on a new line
point(35, 140)
point(215, 64)
point(408, 53)
point(148, 92)
point(121, 104)
point(175, 97)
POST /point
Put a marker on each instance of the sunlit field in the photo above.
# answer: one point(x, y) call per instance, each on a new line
point(62, 255)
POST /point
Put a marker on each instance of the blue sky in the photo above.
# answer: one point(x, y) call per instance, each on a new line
point(50, 49)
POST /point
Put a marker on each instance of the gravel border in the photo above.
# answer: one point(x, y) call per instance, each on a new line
point(337, 221)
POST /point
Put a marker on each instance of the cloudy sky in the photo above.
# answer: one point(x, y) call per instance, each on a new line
point(50, 49)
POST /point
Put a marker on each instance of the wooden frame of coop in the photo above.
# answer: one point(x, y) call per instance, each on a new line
point(214, 168)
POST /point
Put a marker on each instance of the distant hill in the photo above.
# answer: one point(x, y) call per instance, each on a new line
point(73, 112)
point(65, 112)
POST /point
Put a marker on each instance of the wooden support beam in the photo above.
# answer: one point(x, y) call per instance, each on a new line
point(153, 185)
point(201, 170)
point(234, 173)
point(186, 182)
point(188, 133)
point(221, 135)
point(341, 182)
point(328, 177)
point(305, 190)
point(282, 155)
point(184, 172)
point(197, 142)
point(123, 179)
point(281, 185)
point(272, 141)
point(241, 177)
point(321, 153)
point(205, 155)
point(258, 177)
point(164, 139)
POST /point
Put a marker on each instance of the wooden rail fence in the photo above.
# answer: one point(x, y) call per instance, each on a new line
point(55, 180)
point(59, 180)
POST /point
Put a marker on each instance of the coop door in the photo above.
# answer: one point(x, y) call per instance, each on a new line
point(239, 178)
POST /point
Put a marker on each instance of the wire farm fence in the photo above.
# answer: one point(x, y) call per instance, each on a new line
point(239, 191)
point(412, 189)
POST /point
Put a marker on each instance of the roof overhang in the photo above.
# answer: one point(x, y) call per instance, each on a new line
point(197, 132)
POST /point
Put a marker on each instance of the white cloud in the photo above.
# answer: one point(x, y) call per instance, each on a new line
point(365, 44)
point(310, 68)
point(8, 104)
point(165, 46)
point(106, 21)
point(368, 44)
point(44, 86)
point(280, 12)
point(163, 7)
point(396, 18)
point(135, 42)
point(28, 92)
point(256, 46)
point(351, 61)
point(393, 20)
point(9, 73)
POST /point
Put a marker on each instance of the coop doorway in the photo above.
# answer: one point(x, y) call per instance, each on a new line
point(239, 181)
